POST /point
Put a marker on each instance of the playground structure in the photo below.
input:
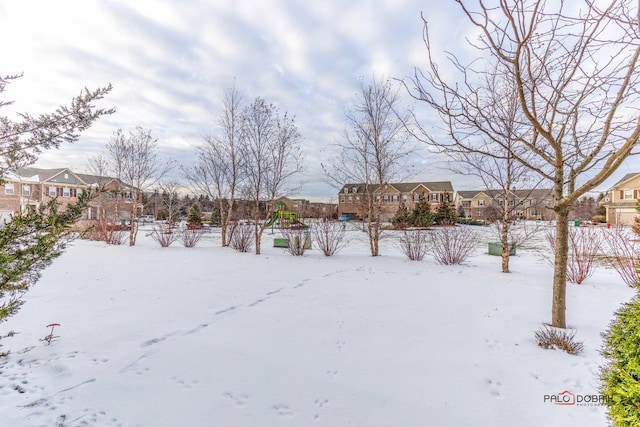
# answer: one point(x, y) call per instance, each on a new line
point(283, 218)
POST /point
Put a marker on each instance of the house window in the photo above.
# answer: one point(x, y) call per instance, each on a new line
point(52, 191)
point(357, 198)
point(385, 198)
point(481, 202)
point(342, 199)
point(66, 192)
point(346, 190)
point(405, 197)
point(26, 190)
point(395, 197)
point(416, 197)
point(478, 212)
point(79, 192)
point(378, 199)
point(628, 194)
point(350, 199)
point(9, 189)
point(434, 197)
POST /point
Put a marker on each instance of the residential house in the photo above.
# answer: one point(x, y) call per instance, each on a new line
point(29, 188)
point(352, 198)
point(476, 205)
point(621, 200)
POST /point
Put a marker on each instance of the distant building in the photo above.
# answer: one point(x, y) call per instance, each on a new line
point(27, 189)
point(621, 200)
point(352, 198)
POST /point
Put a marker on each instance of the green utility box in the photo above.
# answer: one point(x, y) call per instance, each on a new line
point(495, 248)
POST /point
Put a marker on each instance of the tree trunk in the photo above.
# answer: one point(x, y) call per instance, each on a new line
point(132, 227)
point(558, 308)
point(504, 238)
point(257, 229)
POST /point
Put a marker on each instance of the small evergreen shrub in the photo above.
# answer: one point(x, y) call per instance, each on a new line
point(553, 338)
point(194, 218)
point(621, 373)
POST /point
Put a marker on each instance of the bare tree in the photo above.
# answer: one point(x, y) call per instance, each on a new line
point(576, 76)
point(169, 195)
point(496, 164)
point(272, 155)
point(375, 143)
point(134, 160)
point(218, 172)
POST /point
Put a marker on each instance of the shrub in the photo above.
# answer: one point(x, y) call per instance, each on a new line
point(329, 236)
point(190, 237)
point(164, 235)
point(584, 245)
point(621, 373)
point(194, 217)
point(554, 338)
point(413, 244)
point(299, 240)
point(452, 245)
point(108, 233)
point(241, 237)
point(622, 253)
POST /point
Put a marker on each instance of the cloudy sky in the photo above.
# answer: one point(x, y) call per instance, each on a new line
point(169, 63)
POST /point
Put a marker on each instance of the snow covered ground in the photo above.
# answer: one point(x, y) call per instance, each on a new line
point(207, 336)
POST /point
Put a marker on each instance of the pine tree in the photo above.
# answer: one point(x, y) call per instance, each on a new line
point(29, 242)
point(422, 215)
point(445, 214)
point(194, 218)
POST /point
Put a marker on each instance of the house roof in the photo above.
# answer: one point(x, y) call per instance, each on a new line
point(470, 194)
point(403, 187)
point(624, 179)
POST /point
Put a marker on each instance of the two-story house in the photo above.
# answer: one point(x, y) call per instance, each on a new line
point(28, 188)
point(621, 200)
point(388, 198)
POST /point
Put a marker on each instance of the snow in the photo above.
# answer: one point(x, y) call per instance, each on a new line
point(208, 336)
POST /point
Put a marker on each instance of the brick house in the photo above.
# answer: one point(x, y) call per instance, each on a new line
point(489, 204)
point(352, 198)
point(29, 188)
point(475, 204)
point(621, 199)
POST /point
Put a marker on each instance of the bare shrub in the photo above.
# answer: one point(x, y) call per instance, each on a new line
point(521, 234)
point(549, 337)
point(299, 240)
point(190, 237)
point(584, 245)
point(621, 253)
point(452, 245)
point(329, 236)
point(413, 244)
point(164, 234)
point(241, 237)
point(108, 233)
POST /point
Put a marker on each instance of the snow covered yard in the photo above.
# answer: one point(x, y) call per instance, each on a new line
point(207, 336)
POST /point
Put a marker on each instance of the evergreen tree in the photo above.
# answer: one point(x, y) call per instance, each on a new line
point(29, 242)
point(445, 214)
point(194, 218)
point(401, 218)
point(621, 374)
point(421, 216)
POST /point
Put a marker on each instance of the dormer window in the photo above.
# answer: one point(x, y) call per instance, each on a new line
point(354, 189)
point(346, 190)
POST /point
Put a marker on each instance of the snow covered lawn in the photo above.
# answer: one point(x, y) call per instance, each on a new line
point(207, 336)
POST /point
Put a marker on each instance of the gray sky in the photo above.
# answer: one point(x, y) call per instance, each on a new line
point(170, 62)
